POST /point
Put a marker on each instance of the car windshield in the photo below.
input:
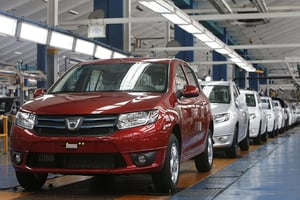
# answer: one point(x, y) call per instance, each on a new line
point(217, 93)
point(110, 77)
point(250, 100)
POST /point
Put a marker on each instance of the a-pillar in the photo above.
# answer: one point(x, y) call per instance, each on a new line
point(114, 32)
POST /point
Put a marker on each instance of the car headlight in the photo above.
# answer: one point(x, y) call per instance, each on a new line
point(25, 120)
point(129, 120)
point(221, 117)
point(252, 116)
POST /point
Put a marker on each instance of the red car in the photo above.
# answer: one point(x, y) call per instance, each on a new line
point(118, 116)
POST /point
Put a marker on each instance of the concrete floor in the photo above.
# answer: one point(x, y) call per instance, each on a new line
point(272, 171)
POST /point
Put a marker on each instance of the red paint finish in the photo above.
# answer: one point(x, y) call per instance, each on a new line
point(186, 115)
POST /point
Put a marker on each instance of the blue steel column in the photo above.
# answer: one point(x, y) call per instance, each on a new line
point(114, 32)
point(41, 62)
point(183, 37)
point(220, 71)
point(253, 82)
point(52, 53)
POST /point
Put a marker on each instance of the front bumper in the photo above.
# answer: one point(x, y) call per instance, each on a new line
point(223, 134)
point(137, 151)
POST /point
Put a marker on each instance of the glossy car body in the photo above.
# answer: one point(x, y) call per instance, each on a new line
point(258, 119)
point(118, 116)
point(230, 116)
point(267, 106)
point(279, 115)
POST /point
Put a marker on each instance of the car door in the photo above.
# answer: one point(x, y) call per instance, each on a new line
point(242, 113)
point(190, 110)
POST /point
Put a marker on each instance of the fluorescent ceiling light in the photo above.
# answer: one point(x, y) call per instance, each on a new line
point(214, 45)
point(191, 28)
point(176, 19)
point(84, 47)
point(103, 53)
point(223, 51)
point(119, 55)
point(236, 60)
point(204, 37)
point(60, 40)
point(8, 25)
point(158, 6)
point(33, 33)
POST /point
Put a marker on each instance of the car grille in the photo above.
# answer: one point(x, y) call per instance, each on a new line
point(52, 125)
point(76, 161)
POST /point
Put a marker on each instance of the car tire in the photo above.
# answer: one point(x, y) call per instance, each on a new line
point(232, 151)
point(264, 136)
point(31, 181)
point(272, 133)
point(245, 143)
point(258, 139)
point(166, 180)
point(204, 161)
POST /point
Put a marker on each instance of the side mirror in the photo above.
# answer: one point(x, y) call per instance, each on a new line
point(38, 92)
point(190, 91)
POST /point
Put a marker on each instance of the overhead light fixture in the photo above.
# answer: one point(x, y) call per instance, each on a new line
point(61, 40)
point(178, 17)
point(119, 55)
point(183, 20)
point(192, 28)
point(158, 6)
point(73, 12)
point(18, 53)
point(214, 45)
point(33, 33)
point(103, 53)
point(8, 25)
point(204, 37)
point(84, 47)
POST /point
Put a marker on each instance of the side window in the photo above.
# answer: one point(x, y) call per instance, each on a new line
point(180, 79)
point(191, 76)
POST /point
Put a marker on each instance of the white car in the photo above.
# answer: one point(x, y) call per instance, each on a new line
point(279, 113)
point(230, 114)
point(267, 105)
point(258, 119)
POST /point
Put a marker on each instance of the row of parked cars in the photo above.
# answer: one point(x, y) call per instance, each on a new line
point(130, 116)
point(242, 115)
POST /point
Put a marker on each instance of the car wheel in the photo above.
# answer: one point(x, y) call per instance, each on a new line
point(272, 133)
point(31, 181)
point(204, 161)
point(245, 143)
point(166, 180)
point(258, 139)
point(232, 151)
point(264, 136)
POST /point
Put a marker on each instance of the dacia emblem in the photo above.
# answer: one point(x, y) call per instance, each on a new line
point(73, 123)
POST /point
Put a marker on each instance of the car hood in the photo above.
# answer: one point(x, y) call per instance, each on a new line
point(218, 108)
point(92, 103)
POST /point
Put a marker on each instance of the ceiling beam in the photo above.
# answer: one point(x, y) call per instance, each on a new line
point(216, 17)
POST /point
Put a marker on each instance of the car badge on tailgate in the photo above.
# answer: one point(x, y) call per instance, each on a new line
point(73, 123)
